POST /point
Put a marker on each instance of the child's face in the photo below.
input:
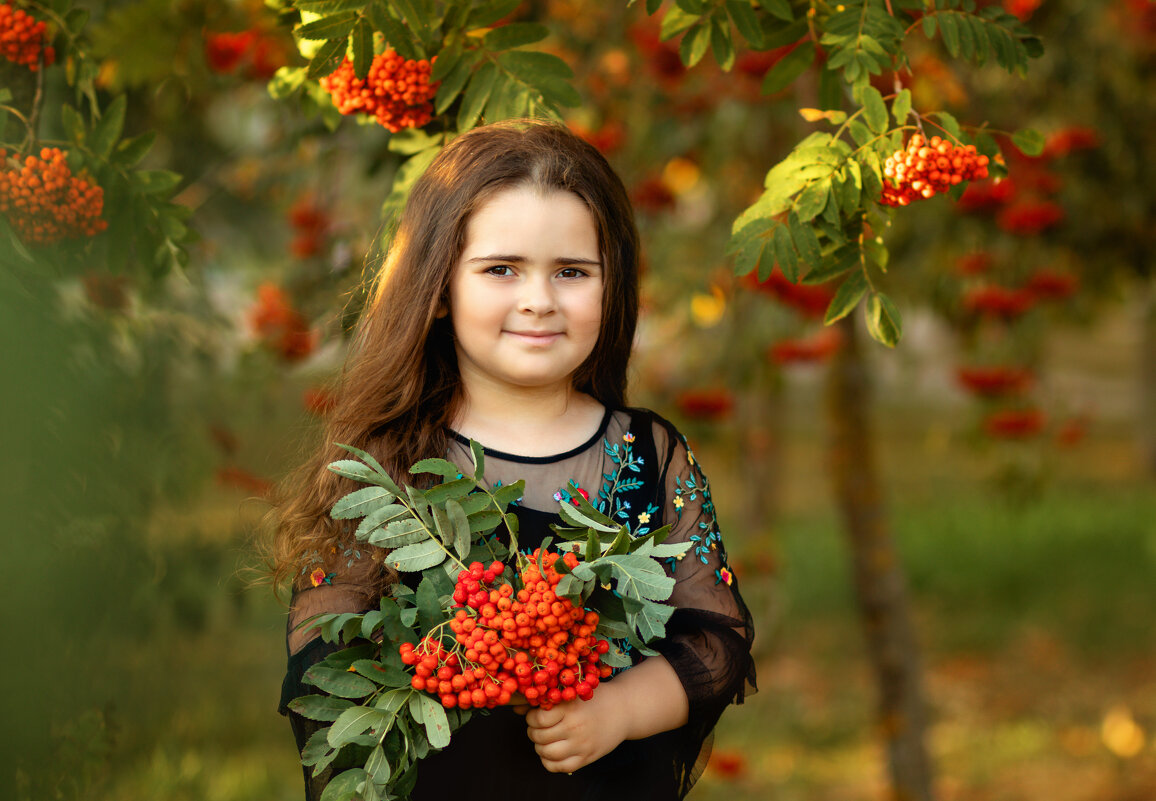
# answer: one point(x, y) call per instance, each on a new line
point(526, 294)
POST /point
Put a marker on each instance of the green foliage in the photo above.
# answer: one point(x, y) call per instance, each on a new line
point(367, 696)
point(147, 233)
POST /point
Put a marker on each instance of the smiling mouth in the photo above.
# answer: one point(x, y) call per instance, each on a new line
point(536, 337)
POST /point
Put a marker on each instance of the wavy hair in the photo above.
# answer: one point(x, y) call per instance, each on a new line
point(400, 388)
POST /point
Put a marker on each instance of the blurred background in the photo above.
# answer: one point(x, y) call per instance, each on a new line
point(148, 415)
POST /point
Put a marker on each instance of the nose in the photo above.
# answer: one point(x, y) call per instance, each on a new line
point(537, 296)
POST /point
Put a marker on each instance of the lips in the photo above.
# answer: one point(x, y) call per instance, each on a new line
point(535, 337)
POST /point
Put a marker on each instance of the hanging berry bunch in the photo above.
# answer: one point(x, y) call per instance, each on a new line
point(22, 38)
point(927, 168)
point(528, 641)
point(397, 92)
point(44, 202)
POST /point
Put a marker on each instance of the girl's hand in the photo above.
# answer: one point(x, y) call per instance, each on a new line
point(639, 702)
point(573, 734)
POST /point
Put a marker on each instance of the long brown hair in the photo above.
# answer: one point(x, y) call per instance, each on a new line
point(400, 388)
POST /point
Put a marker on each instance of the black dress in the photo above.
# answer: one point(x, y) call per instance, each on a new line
point(639, 470)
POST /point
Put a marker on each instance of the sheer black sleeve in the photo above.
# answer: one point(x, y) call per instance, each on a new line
point(709, 635)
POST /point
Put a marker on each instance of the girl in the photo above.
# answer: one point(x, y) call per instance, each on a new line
point(505, 314)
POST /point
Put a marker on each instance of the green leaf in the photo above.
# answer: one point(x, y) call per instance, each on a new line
point(320, 707)
point(337, 682)
point(485, 14)
point(694, 43)
point(874, 110)
point(785, 254)
point(461, 528)
point(720, 43)
point(1029, 141)
point(812, 200)
point(317, 752)
point(883, 320)
point(418, 556)
point(361, 502)
point(105, 133)
point(327, 58)
point(949, 29)
point(156, 182)
point(532, 65)
point(949, 124)
point(406, 531)
point(928, 22)
point(451, 87)
point(338, 27)
point(437, 726)
point(779, 8)
point(747, 24)
point(789, 68)
point(343, 786)
point(675, 22)
point(476, 96)
point(516, 34)
point(901, 106)
point(806, 243)
point(429, 608)
point(362, 42)
point(130, 151)
point(458, 488)
point(329, 6)
point(851, 291)
point(399, 35)
point(833, 265)
point(354, 722)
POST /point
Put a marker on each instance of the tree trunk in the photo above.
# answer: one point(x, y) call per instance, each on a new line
point(879, 582)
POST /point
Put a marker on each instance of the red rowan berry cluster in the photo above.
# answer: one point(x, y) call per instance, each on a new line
point(397, 91)
point(508, 641)
point(929, 167)
point(44, 202)
point(22, 38)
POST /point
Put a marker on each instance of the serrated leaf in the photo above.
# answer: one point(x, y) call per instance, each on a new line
point(949, 29)
point(437, 725)
point(812, 200)
point(383, 516)
point(747, 24)
point(343, 786)
point(156, 182)
point(883, 320)
point(320, 707)
point(1029, 141)
point(452, 85)
point(337, 682)
point(574, 517)
point(638, 577)
point(327, 58)
point(329, 6)
point(417, 556)
point(789, 68)
point(317, 752)
point(874, 109)
point(901, 106)
point(949, 124)
point(694, 43)
point(650, 622)
point(785, 254)
point(476, 96)
point(929, 26)
point(354, 722)
point(531, 65)
point(335, 27)
point(806, 243)
point(362, 46)
point(478, 456)
point(460, 525)
point(397, 533)
point(833, 265)
point(516, 34)
point(397, 34)
point(458, 488)
point(850, 292)
point(107, 131)
point(485, 14)
point(360, 503)
point(779, 8)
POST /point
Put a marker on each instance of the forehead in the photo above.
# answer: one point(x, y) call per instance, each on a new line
point(528, 213)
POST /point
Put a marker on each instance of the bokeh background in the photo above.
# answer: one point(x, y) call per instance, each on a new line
point(146, 417)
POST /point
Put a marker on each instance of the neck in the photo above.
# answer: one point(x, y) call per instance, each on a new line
point(530, 421)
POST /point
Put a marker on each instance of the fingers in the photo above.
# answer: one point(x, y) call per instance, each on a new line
point(539, 718)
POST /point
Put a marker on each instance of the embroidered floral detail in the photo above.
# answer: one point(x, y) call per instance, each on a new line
point(628, 438)
point(319, 577)
point(723, 575)
point(643, 517)
point(620, 480)
point(570, 493)
point(678, 502)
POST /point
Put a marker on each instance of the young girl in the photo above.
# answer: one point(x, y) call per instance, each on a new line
point(505, 313)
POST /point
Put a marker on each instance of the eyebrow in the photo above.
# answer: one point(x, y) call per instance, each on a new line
point(521, 259)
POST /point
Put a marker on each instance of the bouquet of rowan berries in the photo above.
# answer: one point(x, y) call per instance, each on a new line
point(44, 202)
point(397, 92)
point(927, 168)
point(23, 38)
point(474, 623)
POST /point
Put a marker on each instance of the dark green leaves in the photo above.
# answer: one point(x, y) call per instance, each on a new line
point(883, 320)
point(788, 68)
